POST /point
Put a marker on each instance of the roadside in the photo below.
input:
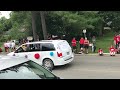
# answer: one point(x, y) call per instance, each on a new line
point(96, 54)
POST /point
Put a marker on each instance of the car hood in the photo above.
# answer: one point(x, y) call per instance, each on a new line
point(9, 61)
point(10, 54)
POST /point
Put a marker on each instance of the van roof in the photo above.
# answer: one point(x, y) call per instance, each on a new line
point(45, 41)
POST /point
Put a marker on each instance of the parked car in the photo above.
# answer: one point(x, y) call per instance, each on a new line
point(48, 53)
point(22, 68)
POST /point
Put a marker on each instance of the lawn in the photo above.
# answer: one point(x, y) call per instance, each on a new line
point(105, 42)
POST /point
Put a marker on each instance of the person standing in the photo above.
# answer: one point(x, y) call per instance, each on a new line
point(74, 45)
point(12, 46)
point(81, 42)
point(93, 39)
point(6, 47)
point(86, 45)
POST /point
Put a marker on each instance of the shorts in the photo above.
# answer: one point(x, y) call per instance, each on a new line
point(86, 46)
point(74, 47)
point(81, 45)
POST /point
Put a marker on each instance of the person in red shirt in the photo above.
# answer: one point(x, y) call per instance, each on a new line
point(86, 45)
point(100, 52)
point(81, 42)
point(74, 45)
point(112, 50)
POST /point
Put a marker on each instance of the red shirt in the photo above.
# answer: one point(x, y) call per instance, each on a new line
point(117, 39)
point(100, 50)
point(73, 42)
point(112, 49)
point(81, 41)
point(86, 42)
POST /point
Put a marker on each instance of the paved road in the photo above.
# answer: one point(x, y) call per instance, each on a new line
point(90, 67)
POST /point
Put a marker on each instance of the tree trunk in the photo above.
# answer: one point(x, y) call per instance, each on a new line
point(43, 25)
point(34, 25)
point(101, 29)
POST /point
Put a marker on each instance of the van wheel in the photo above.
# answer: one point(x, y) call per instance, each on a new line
point(47, 63)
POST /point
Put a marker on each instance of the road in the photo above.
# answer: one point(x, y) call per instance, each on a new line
point(90, 67)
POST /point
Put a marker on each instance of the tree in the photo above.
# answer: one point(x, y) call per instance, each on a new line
point(34, 25)
point(43, 24)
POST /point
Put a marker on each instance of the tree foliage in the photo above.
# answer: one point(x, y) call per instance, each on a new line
point(69, 23)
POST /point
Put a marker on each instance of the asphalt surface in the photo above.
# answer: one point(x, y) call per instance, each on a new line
point(90, 67)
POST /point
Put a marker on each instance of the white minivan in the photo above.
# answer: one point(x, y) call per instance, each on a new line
point(48, 53)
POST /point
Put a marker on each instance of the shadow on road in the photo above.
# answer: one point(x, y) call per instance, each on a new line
point(63, 67)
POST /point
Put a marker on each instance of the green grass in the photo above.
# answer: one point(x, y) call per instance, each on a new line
point(105, 42)
point(1, 45)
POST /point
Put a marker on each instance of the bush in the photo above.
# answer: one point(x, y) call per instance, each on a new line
point(4, 38)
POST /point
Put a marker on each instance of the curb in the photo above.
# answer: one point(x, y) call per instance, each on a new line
point(93, 54)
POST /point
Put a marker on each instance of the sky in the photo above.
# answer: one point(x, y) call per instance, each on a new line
point(5, 13)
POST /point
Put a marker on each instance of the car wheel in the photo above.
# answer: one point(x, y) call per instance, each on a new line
point(47, 63)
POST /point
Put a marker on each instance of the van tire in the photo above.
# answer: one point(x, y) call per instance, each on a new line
point(47, 63)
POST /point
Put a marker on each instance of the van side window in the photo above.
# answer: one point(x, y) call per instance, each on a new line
point(47, 47)
point(34, 47)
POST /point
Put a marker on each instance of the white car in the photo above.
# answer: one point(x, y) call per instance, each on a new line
point(22, 68)
point(48, 53)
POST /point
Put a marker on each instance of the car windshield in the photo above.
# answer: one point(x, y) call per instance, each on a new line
point(27, 70)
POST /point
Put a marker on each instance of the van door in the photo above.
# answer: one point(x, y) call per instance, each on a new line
point(34, 52)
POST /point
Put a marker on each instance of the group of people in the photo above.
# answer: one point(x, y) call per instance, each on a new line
point(112, 51)
point(9, 46)
point(114, 48)
point(84, 45)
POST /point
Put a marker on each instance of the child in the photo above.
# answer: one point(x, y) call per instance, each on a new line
point(112, 50)
point(74, 45)
point(100, 52)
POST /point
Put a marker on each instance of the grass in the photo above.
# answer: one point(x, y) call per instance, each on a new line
point(105, 42)
point(1, 45)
